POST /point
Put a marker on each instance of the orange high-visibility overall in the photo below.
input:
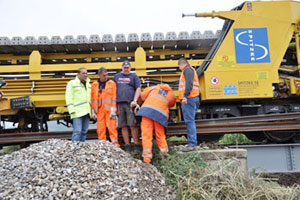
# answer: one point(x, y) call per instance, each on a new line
point(155, 114)
point(101, 103)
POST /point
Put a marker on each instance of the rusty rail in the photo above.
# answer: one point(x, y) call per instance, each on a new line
point(249, 119)
point(173, 129)
point(236, 127)
point(11, 138)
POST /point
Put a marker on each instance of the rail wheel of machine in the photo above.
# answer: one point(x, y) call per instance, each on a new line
point(279, 136)
point(257, 136)
point(209, 138)
point(296, 138)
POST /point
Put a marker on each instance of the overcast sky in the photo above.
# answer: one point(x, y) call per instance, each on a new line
point(87, 17)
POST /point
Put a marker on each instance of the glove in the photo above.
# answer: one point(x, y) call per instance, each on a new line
point(137, 108)
point(113, 113)
point(94, 115)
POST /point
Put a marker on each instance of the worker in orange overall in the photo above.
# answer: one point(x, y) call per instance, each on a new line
point(155, 113)
point(104, 106)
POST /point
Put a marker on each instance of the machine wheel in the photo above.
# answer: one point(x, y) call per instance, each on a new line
point(296, 138)
point(209, 138)
point(39, 127)
point(258, 136)
point(279, 136)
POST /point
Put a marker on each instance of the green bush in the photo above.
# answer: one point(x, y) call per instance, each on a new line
point(234, 139)
point(177, 166)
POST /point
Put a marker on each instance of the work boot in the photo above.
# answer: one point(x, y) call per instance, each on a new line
point(137, 148)
point(127, 148)
point(164, 155)
point(186, 148)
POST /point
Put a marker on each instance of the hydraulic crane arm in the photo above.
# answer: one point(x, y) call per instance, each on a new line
point(232, 15)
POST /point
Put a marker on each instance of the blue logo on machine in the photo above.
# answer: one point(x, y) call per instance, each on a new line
point(230, 90)
point(251, 45)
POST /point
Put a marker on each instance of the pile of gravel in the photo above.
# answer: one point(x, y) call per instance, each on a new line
point(60, 169)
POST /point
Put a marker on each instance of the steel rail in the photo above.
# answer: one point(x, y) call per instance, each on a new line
point(178, 129)
point(237, 128)
point(40, 136)
point(248, 119)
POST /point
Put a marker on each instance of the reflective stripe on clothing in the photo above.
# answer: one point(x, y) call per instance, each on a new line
point(194, 87)
point(164, 150)
point(93, 102)
point(75, 86)
point(147, 126)
point(154, 115)
point(182, 85)
point(157, 109)
point(117, 145)
point(78, 98)
point(104, 121)
point(157, 96)
point(147, 155)
point(172, 98)
point(143, 95)
point(107, 100)
point(80, 104)
point(107, 97)
point(158, 100)
point(143, 98)
point(102, 101)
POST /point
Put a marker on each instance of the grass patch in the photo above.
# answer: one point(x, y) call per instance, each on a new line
point(177, 139)
point(234, 139)
point(9, 149)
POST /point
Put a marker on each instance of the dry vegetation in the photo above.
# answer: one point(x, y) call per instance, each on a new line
point(193, 179)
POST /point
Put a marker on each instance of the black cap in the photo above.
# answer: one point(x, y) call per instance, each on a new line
point(126, 63)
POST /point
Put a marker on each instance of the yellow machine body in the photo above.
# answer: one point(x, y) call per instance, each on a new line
point(245, 64)
point(261, 31)
point(47, 91)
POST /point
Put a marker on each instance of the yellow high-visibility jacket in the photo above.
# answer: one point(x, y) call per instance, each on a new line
point(78, 98)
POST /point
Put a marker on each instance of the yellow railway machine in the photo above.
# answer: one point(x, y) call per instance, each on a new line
point(250, 67)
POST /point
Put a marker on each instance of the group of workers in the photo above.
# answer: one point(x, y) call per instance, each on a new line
point(105, 99)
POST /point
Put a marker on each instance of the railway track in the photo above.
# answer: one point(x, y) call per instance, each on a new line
point(273, 122)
